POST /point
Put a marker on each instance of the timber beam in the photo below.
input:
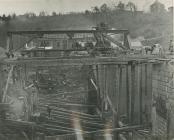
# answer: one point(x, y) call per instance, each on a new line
point(29, 125)
point(34, 62)
point(53, 61)
point(67, 31)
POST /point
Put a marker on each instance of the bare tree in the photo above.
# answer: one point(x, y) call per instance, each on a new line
point(96, 10)
point(104, 8)
point(132, 7)
point(42, 14)
point(54, 13)
point(13, 15)
point(30, 15)
point(87, 12)
point(3, 17)
point(121, 6)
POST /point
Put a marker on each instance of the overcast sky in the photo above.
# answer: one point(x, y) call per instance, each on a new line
point(63, 6)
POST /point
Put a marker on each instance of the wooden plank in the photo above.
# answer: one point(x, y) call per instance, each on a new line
point(143, 86)
point(137, 94)
point(51, 50)
point(98, 84)
point(121, 136)
point(8, 43)
point(111, 105)
point(105, 87)
point(108, 83)
point(113, 84)
point(149, 92)
point(35, 62)
point(128, 92)
point(67, 31)
point(7, 83)
point(126, 41)
point(133, 93)
point(101, 81)
point(141, 92)
point(18, 124)
point(119, 130)
point(146, 94)
point(1, 82)
point(117, 87)
point(25, 135)
point(123, 93)
point(102, 88)
point(120, 91)
point(25, 73)
point(94, 84)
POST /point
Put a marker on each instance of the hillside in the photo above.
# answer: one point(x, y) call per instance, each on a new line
point(139, 24)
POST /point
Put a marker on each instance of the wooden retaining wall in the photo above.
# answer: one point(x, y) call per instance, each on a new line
point(126, 90)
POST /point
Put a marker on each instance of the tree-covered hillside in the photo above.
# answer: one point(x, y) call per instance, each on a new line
point(148, 25)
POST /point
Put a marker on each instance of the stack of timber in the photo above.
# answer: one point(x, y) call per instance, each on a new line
point(69, 109)
point(64, 113)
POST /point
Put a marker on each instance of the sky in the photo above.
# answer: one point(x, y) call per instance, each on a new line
point(65, 6)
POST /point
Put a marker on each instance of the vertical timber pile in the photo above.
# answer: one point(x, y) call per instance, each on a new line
point(1, 82)
point(126, 90)
point(92, 89)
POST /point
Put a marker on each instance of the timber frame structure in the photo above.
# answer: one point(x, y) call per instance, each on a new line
point(70, 33)
point(119, 87)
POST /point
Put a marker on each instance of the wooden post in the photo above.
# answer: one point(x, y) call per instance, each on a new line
point(119, 88)
point(1, 82)
point(8, 43)
point(13, 75)
point(137, 94)
point(103, 86)
point(149, 92)
point(126, 42)
point(115, 122)
point(99, 69)
point(128, 93)
point(92, 92)
point(146, 95)
point(107, 80)
point(100, 82)
point(25, 75)
point(32, 132)
point(141, 92)
point(132, 92)
point(7, 84)
point(146, 79)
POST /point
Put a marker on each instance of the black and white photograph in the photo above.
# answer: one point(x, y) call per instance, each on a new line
point(86, 70)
